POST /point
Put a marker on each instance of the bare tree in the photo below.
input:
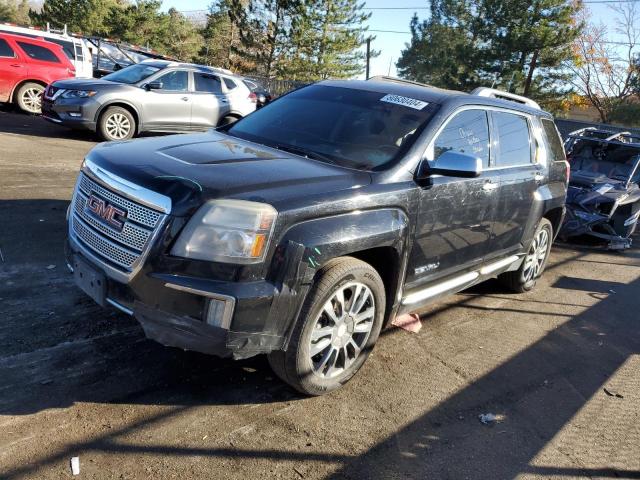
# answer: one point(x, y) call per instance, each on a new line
point(604, 70)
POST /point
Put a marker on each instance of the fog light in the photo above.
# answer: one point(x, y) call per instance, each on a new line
point(75, 114)
point(219, 313)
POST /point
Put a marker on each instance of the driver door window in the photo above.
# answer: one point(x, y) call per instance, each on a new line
point(467, 132)
point(176, 81)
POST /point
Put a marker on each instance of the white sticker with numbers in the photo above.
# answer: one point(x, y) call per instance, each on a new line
point(404, 101)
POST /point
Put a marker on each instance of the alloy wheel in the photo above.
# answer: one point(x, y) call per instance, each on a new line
point(32, 100)
point(535, 259)
point(118, 126)
point(341, 329)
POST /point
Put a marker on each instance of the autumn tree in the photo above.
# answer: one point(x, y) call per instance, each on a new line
point(604, 73)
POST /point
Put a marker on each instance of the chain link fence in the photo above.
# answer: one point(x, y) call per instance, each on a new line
point(277, 86)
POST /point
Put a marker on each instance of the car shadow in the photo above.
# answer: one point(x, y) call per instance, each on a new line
point(57, 347)
point(19, 123)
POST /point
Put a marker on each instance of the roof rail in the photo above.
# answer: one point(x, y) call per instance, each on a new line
point(500, 94)
point(617, 134)
point(386, 78)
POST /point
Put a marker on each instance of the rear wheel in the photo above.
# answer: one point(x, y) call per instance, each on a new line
point(337, 328)
point(29, 97)
point(117, 123)
point(524, 279)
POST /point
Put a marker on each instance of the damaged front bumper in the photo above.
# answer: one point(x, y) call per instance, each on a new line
point(226, 319)
point(580, 223)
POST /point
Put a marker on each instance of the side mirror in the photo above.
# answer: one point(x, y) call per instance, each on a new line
point(153, 86)
point(453, 164)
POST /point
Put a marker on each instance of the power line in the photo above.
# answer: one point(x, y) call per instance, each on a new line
point(422, 7)
point(409, 33)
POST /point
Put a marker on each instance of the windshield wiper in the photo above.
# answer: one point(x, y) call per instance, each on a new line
point(303, 152)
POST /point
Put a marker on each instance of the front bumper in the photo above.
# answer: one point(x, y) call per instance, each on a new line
point(78, 113)
point(173, 309)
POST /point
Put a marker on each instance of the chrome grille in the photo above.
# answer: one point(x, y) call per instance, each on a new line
point(110, 250)
point(123, 248)
point(130, 236)
point(137, 213)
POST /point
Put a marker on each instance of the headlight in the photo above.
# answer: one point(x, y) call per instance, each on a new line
point(230, 231)
point(78, 94)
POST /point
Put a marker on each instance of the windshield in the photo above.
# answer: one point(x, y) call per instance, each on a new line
point(132, 74)
point(615, 163)
point(345, 126)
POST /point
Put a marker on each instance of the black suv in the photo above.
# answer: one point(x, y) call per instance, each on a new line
point(302, 229)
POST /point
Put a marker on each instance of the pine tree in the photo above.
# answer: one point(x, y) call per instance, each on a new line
point(80, 16)
point(516, 45)
point(338, 28)
point(7, 11)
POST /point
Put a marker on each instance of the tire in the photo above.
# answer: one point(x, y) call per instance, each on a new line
point(524, 279)
point(342, 346)
point(116, 123)
point(29, 98)
point(228, 120)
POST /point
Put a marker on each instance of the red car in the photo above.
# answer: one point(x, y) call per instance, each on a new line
point(27, 65)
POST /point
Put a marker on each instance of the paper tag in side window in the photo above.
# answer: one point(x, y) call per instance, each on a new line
point(404, 101)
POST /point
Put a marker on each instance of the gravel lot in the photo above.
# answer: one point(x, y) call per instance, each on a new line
point(79, 381)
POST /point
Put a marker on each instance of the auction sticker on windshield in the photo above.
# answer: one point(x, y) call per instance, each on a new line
point(404, 101)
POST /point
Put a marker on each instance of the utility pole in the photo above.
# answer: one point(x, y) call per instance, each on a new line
point(368, 57)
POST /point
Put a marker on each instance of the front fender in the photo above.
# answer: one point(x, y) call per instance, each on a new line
point(335, 236)
point(307, 246)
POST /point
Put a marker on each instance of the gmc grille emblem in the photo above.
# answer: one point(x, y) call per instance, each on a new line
point(104, 211)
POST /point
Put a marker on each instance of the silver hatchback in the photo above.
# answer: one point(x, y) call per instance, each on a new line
point(151, 96)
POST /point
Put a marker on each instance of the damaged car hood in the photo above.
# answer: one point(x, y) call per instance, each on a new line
point(588, 188)
point(191, 169)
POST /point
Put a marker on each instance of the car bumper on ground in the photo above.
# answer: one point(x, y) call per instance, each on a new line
point(238, 319)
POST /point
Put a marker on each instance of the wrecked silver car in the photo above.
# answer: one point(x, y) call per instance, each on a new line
point(603, 199)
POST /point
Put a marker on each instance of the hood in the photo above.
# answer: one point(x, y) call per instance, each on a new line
point(192, 169)
point(89, 84)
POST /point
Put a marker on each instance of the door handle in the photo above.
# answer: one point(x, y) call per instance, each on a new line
point(489, 186)
point(538, 177)
point(185, 99)
point(16, 65)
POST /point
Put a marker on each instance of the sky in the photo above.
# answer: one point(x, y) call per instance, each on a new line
point(392, 44)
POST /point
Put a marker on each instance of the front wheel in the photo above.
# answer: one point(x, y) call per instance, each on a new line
point(228, 120)
point(29, 97)
point(337, 328)
point(535, 261)
point(117, 123)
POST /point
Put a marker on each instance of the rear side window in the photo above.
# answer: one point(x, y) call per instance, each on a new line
point(5, 49)
point(207, 83)
point(513, 139)
point(230, 83)
point(467, 132)
point(37, 52)
point(554, 144)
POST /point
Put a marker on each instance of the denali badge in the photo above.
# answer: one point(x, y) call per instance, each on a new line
point(427, 268)
point(106, 212)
